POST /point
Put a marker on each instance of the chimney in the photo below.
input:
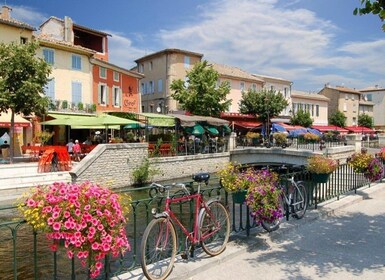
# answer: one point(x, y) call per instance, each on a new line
point(68, 33)
point(5, 12)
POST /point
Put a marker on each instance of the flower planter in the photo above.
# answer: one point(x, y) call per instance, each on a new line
point(239, 196)
point(320, 178)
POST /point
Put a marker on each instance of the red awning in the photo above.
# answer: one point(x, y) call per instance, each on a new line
point(326, 128)
point(359, 129)
point(248, 125)
point(5, 120)
point(290, 127)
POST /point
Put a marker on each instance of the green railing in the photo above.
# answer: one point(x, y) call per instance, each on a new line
point(25, 254)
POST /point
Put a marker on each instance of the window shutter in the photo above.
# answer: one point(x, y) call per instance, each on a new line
point(107, 96)
point(99, 94)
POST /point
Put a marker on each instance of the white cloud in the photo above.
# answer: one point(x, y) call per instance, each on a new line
point(28, 15)
point(264, 37)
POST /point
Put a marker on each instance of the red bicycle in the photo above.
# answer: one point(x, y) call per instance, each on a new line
point(211, 229)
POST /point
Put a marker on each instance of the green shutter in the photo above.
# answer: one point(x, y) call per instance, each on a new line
point(107, 96)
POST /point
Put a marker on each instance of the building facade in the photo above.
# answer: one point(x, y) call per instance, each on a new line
point(160, 69)
point(348, 101)
point(376, 95)
point(240, 81)
point(315, 104)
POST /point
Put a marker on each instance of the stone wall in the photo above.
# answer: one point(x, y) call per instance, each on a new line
point(113, 164)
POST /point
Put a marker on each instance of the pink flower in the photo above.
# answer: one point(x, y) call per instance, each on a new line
point(53, 247)
point(56, 226)
point(31, 202)
point(70, 254)
point(95, 246)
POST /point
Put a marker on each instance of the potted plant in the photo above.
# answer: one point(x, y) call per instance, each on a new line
point(321, 167)
point(235, 181)
point(87, 218)
point(381, 154)
point(375, 170)
point(42, 137)
point(253, 137)
point(280, 139)
point(263, 196)
point(360, 162)
point(311, 137)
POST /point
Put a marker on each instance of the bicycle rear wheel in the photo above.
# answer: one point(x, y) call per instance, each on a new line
point(274, 225)
point(299, 201)
point(214, 227)
point(158, 249)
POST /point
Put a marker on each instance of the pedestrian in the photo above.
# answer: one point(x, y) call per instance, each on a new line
point(70, 146)
point(77, 150)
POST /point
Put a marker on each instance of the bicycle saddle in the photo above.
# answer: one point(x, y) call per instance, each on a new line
point(201, 177)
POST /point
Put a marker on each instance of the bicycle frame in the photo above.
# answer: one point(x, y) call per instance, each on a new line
point(199, 206)
point(287, 198)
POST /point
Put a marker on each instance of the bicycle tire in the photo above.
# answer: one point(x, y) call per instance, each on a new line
point(274, 225)
point(216, 243)
point(158, 249)
point(299, 201)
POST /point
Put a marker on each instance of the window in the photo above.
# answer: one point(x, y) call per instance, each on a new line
point(317, 110)
point(50, 89)
point(23, 40)
point(352, 96)
point(76, 92)
point(141, 68)
point(345, 107)
point(354, 121)
point(103, 72)
point(151, 87)
point(150, 65)
point(312, 110)
point(369, 97)
point(103, 95)
point(49, 56)
point(285, 92)
point(142, 109)
point(76, 62)
point(186, 62)
point(143, 88)
point(254, 87)
point(346, 96)
point(151, 108)
point(116, 76)
point(116, 97)
point(242, 86)
point(160, 85)
point(272, 88)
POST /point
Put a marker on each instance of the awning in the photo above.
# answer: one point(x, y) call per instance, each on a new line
point(135, 126)
point(326, 128)
point(359, 129)
point(248, 125)
point(159, 120)
point(290, 127)
point(67, 119)
point(212, 130)
point(190, 120)
point(5, 120)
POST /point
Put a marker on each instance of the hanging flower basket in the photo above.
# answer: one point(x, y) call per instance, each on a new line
point(239, 196)
point(320, 178)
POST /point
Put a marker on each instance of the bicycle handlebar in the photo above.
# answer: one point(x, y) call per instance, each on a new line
point(156, 188)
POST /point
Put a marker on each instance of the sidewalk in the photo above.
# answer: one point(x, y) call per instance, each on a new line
point(239, 258)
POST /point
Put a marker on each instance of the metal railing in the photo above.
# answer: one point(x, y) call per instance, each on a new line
point(25, 254)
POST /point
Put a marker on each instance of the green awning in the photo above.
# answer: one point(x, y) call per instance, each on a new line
point(105, 120)
point(66, 119)
point(195, 130)
point(134, 126)
point(158, 120)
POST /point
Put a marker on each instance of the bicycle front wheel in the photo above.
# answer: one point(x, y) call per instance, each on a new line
point(274, 225)
point(214, 229)
point(158, 249)
point(299, 201)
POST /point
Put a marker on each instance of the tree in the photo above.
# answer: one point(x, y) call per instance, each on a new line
point(365, 120)
point(301, 118)
point(200, 94)
point(264, 104)
point(22, 80)
point(375, 7)
point(338, 118)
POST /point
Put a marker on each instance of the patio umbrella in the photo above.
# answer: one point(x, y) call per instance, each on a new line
point(195, 130)
point(212, 130)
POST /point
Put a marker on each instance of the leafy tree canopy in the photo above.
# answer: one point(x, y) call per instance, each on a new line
point(301, 118)
point(22, 80)
point(338, 118)
point(264, 104)
point(200, 94)
point(375, 7)
point(365, 120)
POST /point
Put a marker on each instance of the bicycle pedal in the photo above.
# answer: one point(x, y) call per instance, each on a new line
point(184, 256)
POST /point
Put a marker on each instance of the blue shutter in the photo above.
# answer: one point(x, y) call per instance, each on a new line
point(50, 89)
point(160, 85)
point(76, 92)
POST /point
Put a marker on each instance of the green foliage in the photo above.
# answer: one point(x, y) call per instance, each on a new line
point(338, 118)
point(375, 7)
point(280, 138)
point(201, 95)
point(143, 173)
point(64, 104)
point(42, 137)
point(365, 120)
point(23, 77)
point(265, 103)
point(301, 118)
point(93, 108)
point(80, 106)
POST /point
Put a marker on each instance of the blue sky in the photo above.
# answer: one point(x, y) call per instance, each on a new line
point(310, 42)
